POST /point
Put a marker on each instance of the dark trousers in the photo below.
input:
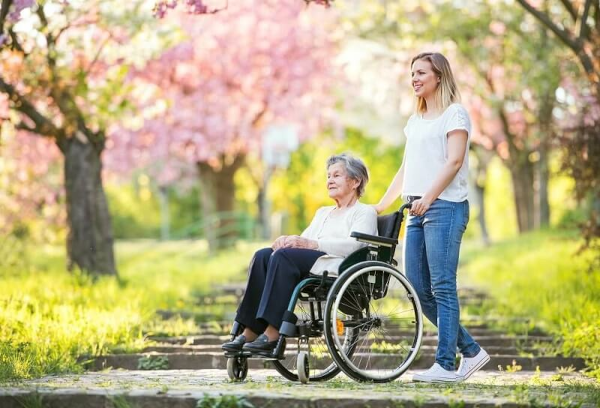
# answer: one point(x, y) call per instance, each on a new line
point(272, 277)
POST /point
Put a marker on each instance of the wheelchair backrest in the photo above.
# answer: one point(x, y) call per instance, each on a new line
point(389, 225)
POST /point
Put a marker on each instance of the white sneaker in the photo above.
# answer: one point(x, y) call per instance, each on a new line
point(436, 374)
point(468, 365)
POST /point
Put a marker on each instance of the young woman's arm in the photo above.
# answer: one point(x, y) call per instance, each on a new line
point(392, 192)
point(457, 146)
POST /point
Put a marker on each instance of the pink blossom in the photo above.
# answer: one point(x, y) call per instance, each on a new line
point(214, 95)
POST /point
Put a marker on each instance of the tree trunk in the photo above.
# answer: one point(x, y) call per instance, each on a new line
point(483, 158)
point(218, 197)
point(90, 238)
point(480, 200)
point(542, 176)
point(165, 219)
point(264, 205)
point(522, 181)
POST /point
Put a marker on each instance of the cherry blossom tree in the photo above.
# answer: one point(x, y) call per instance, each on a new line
point(209, 100)
point(161, 7)
point(62, 64)
point(30, 188)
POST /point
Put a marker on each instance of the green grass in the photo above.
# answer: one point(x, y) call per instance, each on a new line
point(49, 318)
point(539, 277)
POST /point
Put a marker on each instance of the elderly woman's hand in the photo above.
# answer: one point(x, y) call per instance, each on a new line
point(279, 243)
point(295, 241)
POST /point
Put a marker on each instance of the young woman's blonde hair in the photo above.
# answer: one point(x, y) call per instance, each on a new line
point(447, 92)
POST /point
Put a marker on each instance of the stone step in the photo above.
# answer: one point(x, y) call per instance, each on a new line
point(391, 332)
point(212, 348)
point(183, 361)
point(231, 294)
point(227, 300)
point(473, 325)
point(485, 341)
point(237, 289)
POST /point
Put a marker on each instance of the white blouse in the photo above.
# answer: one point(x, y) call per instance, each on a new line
point(333, 234)
point(426, 153)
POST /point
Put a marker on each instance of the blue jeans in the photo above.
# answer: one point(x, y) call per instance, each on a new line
point(431, 249)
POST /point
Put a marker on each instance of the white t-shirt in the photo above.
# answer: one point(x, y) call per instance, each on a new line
point(426, 153)
point(333, 234)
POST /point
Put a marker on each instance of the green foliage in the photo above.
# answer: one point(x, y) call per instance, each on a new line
point(565, 301)
point(224, 401)
point(135, 209)
point(49, 318)
point(34, 400)
point(153, 363)
point(119, 401)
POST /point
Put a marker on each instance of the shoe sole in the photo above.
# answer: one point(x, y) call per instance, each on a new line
point(449, 380)
point(476, 368)
point(231, 350)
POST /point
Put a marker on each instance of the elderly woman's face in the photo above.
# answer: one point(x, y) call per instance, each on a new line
point(339, 185)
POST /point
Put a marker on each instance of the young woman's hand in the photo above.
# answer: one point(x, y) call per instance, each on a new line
point(420, 206)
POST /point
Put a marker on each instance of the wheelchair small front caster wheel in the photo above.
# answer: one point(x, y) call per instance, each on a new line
point(237, 368)
point(303, 367)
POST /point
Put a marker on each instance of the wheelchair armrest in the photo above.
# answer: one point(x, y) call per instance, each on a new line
point(374, 239)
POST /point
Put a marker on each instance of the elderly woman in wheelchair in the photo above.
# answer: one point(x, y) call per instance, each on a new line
point(293, 293)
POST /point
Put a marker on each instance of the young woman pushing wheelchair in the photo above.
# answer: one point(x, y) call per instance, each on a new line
point(433, 177)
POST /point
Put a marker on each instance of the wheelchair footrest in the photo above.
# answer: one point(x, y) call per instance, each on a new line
point(233, 354)
point(288, 327)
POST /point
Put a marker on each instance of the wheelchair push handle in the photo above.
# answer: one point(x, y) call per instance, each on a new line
point(405, 207)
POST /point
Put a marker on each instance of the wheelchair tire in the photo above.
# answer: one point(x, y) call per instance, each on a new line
point(237, 368)
point(303, 367)
point(379, 303)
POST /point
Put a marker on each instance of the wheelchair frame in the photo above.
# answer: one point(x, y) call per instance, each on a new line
point(371, 260)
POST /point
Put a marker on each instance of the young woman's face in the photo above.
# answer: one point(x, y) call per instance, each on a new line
point(424, 80)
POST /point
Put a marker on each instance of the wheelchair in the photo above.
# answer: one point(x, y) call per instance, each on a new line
point(366, 322)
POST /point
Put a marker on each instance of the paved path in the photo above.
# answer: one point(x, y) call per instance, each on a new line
point(184, 388)
point(193, 375)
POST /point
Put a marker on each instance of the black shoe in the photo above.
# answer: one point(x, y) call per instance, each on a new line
point(235, 344)
point(261, 345)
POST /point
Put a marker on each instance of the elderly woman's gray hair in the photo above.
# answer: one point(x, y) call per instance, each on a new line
point(355, 168)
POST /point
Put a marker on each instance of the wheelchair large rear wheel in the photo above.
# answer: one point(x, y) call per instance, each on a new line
point(378, 303)
point(320, 363)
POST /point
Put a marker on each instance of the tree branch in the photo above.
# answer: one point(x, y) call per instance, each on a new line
point(583, 27)
point(97, 56)
point(570, 8)
point(4, 12)
point(34, 130)
point(15, 41)
point(43, 126)
point(561, 33)
point(63, 99)
point(574, 43)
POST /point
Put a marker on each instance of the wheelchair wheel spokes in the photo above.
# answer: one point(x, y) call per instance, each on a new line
point(321, 364)
point(377, 302)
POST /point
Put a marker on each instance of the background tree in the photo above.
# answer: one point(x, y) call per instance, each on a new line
point(210, 98)
point(508, 71)
point(62, 65)
point(577, 26)
point(519, 68)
